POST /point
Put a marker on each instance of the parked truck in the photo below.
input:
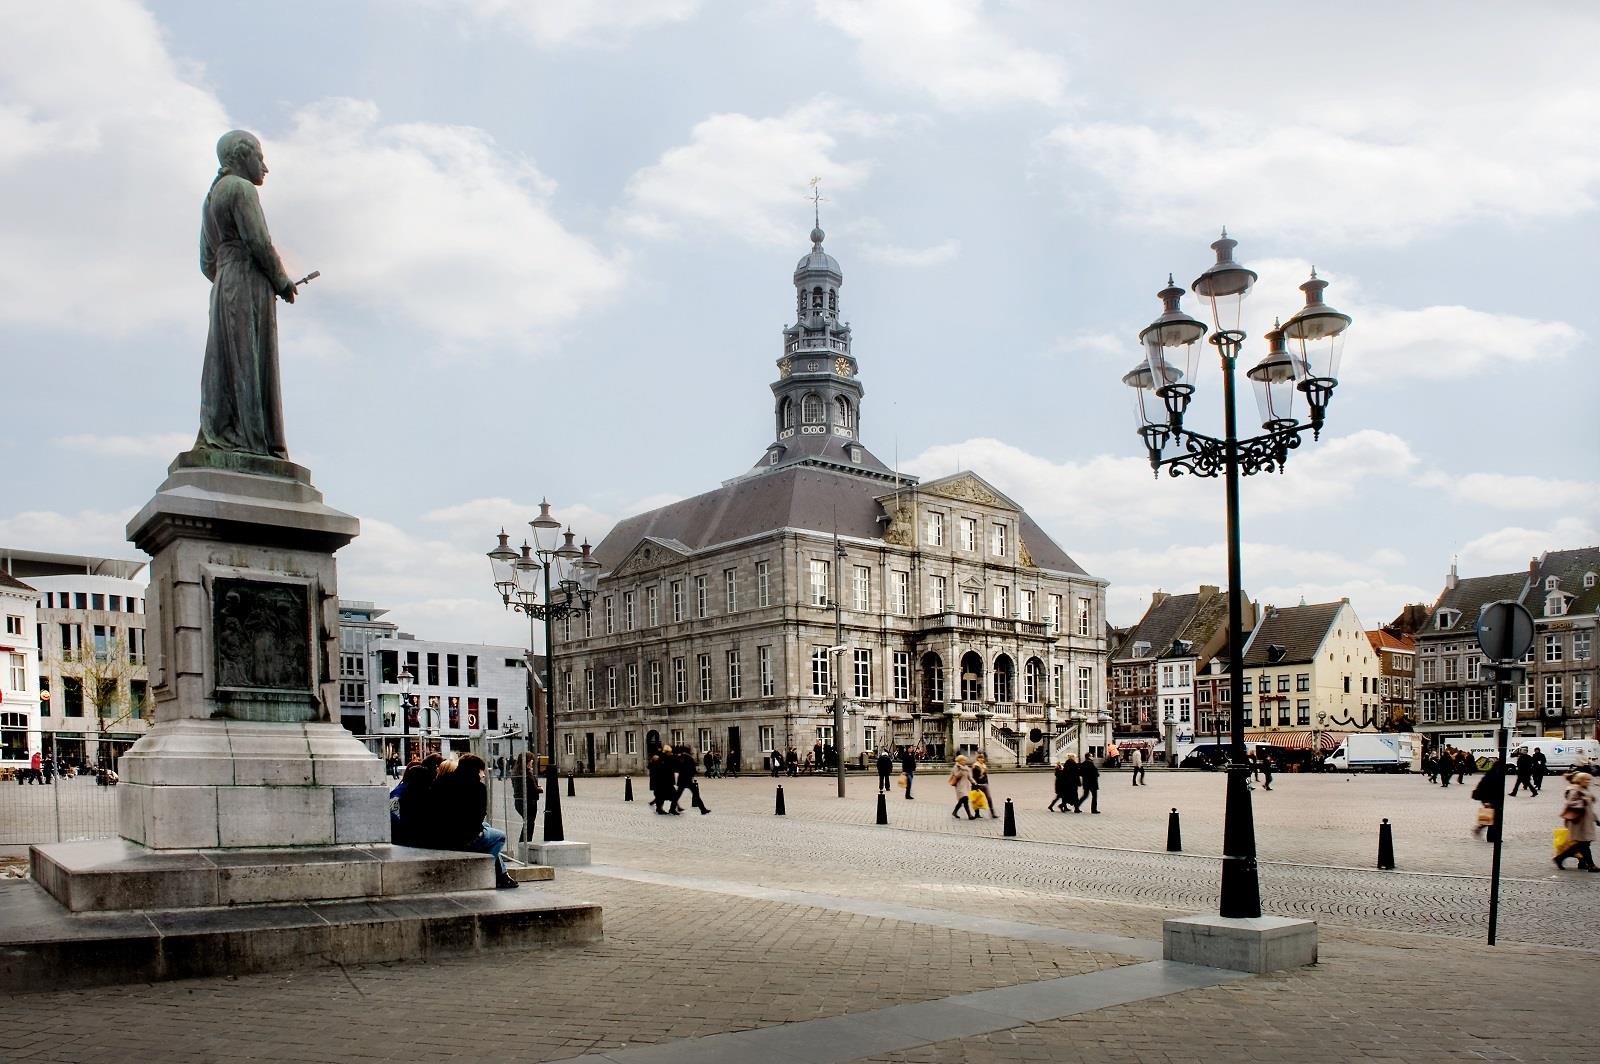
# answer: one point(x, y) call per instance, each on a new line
point(1371, 752)
point(1560, 755)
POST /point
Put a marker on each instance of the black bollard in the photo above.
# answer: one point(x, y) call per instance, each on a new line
point(883, 809)
point(779, 810)
point(1385, 845)
point(1010, 829)
point(627, 788)
point(571, 792)
point(1174, 833)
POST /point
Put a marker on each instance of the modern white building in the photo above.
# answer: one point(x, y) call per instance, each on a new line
point(19, 672)
point(89, 645)
point(462, 695)
point(359, 624)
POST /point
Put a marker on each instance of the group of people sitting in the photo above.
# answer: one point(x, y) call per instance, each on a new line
point(444, 805)
point(672, 772)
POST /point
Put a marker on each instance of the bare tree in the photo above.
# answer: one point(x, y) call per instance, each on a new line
point(106, 675)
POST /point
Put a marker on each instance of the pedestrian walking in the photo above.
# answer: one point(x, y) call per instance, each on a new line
point(961, 780)
point(1068, 781)
point(1138, 767)
point(662, 787)
point(980, 782)
point(686, 781)
point(1430, 766)
point(1524, 776)
point(1540, 767)
point(793, 762)
point(1089, 779)
point(908, 766)
point(885, 768)
point(1447, 764)
point(1264, 763)
point(1577, 816)
point(525, 792)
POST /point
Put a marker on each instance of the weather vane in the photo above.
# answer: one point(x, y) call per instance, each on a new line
point(816, 199)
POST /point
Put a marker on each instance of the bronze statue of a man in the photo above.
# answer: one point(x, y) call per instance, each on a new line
point(241, 408)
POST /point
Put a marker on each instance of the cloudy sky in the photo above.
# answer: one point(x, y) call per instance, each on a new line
point(556, 239)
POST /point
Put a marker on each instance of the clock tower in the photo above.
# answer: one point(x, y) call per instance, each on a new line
point(817, 396)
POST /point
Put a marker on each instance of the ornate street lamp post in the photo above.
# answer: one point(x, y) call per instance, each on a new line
point(1302, 359)
point(569, 577)
point(405, 719)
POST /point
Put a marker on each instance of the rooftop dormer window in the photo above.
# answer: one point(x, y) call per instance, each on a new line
point(1555, 604)
point(1551, 583)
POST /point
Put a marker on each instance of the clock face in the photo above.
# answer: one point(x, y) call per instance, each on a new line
point(785, 368)
point(841, 366)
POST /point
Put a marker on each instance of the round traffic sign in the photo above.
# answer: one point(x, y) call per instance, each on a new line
point(1505, 630)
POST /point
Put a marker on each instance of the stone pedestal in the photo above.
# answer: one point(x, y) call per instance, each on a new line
point(244, 629)
point(555, 854)
point(1261, 944)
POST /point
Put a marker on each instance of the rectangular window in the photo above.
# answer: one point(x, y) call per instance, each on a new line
point(1002, 601)
point(1552, 648)
point(1084, 612)
point(1580, 692)
point(677, 736)
point(72, 696)
point(1057, 679)
point(433, 670)
point(704, 663)
point(630, 742)
point(1474, 668)
point(1430, 707)
point(1166, 676)
point(566, 684)
point(998, 541)
point(452, 670)
point(677, 600)
point(13, 624)
point(1085, 685)
point(566, 743)
point(1452, 705)
point(97, 601)
point(19, 672)
point(633, 683)
point(730, 590)
point(655, 683)
point(705, 741)
point(611, 687)
point(588, 689)
point(819, 670)
point(1552, 692)
point(902, 592)
point(609, 615)
point(1302, 711)
point(902, 675)
point(766, 736)
point(1450, 669)
point(735, 677)
point(763, 584)
point(1302, 681)
point(764, 667)
point(969, 534)
point(629, 620)
point(1025, 604)
point(136, 637)
point(702, 597)
point(1055, 613)
point(472, 670)
point(1283, 683)
point(652, 606)
point(1580, 645)
point(938, 597)
point(611, 743)
point(680, 681)
point(935, 529)
point(1474, 702)
point(1283, 712)
point(862, 660)
point(861, 588)
point(969, 602)
point(819, 582)
point(1430, 667)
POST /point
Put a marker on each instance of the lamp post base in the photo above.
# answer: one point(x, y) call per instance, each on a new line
point(1250, 944)
point(554, 854)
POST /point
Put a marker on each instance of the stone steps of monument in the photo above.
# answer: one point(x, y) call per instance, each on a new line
point(114, 874)
point(44, 946)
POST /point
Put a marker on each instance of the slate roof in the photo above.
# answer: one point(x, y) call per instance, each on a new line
point(1468, 597)
point(1210, 618)
point(1300, 630)
point(1158, 627)
point(1569, 567)
point(800, 496)
point(821, 448)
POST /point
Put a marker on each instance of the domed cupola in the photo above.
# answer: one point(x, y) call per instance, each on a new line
point(817, 280)
point(817, 394)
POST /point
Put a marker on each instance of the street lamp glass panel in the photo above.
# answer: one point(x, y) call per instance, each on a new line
point(502, 560)
point(1274, 379)
point(1224, 285)
point(527, 575)
point(1316, 334)
point(1148, 410)
point(1173, 338)
point(405, 684)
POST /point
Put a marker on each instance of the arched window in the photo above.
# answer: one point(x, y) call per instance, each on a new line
point(1033, 681)
point(833, 300)
point(816, 299)
point(932, 679)
point(1003, 674)
point(786, 413)
point(845, 417)
point(971, 677)
point(800, 302)
point(811, 409)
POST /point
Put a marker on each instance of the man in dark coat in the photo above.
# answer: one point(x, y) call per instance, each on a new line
point(908, 765)
point(1066, 784)
point(1089, 776)
point(662, 787)
point(1524, 777)
point(1536, 778)
point(686, 766)
point(885, 767)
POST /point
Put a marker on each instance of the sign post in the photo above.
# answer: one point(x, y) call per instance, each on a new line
point(1505, 632)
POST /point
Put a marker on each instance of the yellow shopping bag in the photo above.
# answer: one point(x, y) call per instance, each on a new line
point(979, 802)
point(1562, 838)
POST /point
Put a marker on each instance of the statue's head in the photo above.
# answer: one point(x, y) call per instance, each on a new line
point(239, 153)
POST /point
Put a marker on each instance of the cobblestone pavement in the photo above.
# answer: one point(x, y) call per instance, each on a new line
point(968, 858)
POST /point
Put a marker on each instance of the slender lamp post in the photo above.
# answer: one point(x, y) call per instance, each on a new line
point(517, 579)
point(1302, 359)
point(405, 719)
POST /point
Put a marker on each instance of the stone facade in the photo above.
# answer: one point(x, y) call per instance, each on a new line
point(960, 624)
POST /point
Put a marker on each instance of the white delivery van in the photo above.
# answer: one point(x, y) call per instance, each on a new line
point(1374, 752)
point(1560, 755)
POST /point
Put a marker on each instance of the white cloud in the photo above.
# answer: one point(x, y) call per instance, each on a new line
point(555, 22)
point(148, 445)
point(110, 142)
point(746, 176)
point(1506, 491)
point(1507, 550)
point(893, 255)
point(948, 49)
point(96, 532)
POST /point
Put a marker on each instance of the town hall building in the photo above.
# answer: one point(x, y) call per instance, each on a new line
point(962, 625)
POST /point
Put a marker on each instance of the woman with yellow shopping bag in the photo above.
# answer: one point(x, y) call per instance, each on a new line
point(981, 798)
point(1577, 816)
point(961, 780)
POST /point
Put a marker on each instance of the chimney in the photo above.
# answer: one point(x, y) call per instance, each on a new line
point(1208, 592)
point(1157, 598)
point(1450, 580)
point(1533, 571)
